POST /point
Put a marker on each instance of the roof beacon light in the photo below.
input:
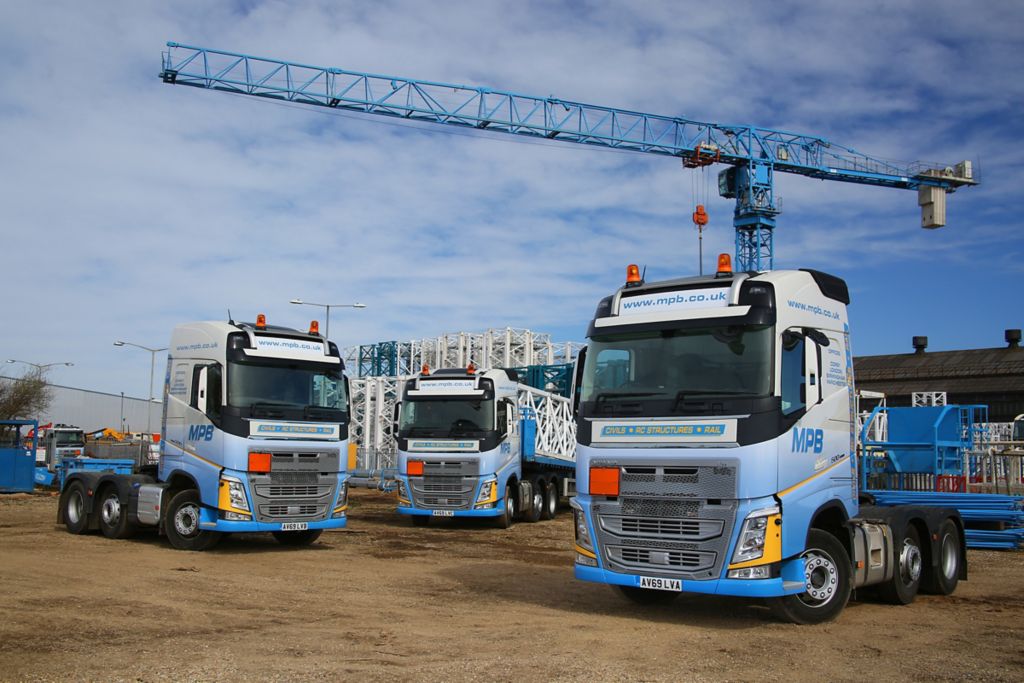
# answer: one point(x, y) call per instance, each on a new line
point(425, 369)
point(724, 266)
point(471, 369)
point(261, 322)
point(633, 278)
point(314, 327)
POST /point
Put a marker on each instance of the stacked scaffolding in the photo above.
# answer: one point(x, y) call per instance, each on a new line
point(496, 348)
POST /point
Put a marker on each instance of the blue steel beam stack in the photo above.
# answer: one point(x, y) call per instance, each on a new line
point(1002, 515)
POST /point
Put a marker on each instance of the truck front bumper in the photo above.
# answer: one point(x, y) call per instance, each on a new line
point(491, 512)
point(208, 519)
point(759, 588)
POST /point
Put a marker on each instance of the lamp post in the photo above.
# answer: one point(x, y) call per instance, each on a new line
point(327, 307)
point(152, 367)
point(38, 366)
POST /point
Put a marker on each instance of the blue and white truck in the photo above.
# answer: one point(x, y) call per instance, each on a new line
point(717, 451)
point(482, 444)
point(255, 436)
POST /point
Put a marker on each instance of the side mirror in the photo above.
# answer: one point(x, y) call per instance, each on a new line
point(577, 380)
point(395, 413)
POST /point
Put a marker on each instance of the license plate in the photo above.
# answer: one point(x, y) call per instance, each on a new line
point(443, 513)
point(294, 526)
point(659, 584)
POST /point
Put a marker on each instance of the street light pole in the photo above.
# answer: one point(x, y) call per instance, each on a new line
point(152, 368)
point(38, 366)
point(328, 307)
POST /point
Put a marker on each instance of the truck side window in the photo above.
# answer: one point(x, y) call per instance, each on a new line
point(793, 372)
point(213, 392)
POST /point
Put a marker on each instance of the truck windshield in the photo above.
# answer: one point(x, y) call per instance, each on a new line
point(677, 366)
point(63, 439)
point(319, 392)
point(447, 417)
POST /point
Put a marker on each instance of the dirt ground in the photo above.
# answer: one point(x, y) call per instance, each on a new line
point(383, 600)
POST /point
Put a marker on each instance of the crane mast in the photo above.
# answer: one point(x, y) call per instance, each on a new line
point(753, 155)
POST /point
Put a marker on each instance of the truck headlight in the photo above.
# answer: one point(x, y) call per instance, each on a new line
point(343, 495)
point(232, 494)
point(751, 543)
point(582, 532)
point(488, 492)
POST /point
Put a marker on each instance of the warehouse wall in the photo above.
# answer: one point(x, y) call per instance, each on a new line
point(93, 410)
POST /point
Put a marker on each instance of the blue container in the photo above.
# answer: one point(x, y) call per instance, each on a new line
point(17, 463)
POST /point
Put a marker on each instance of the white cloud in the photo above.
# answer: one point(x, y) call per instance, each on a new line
point(130, 205)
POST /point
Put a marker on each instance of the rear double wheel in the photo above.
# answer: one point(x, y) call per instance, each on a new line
point(113, 516)
point(73, 510)
point(943, 578)
point(902, 588)
point(536, 501)
point(550, 500)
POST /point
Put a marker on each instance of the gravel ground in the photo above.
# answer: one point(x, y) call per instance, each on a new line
point(383, 600)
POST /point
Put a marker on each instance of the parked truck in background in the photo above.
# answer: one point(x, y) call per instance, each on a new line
point(59, 442)
point(717, 451)
point(255, 435)
point(482, 444)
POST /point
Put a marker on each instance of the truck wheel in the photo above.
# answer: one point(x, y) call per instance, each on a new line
point(550, 500)
point(902, 588)
point(113, 516)
point(420, 520)
point(297, 538)
point(646, 596)
point(827, 583)
point(182, 523)
point(72, 505)
point(536, 501)
point(508, 511)
point(942, 579)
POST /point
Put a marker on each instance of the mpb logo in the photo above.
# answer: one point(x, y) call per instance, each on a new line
point(200, 432)
point(805, 440)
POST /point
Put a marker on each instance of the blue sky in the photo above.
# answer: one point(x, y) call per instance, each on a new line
point(130, 205)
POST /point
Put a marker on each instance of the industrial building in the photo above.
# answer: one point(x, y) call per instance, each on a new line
point(92, 410)
point(992, 377)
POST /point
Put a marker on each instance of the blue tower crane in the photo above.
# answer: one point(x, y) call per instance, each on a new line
point(754, 155)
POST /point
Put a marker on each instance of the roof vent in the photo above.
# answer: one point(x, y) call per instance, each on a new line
point(920, 344)
point(1012, 338)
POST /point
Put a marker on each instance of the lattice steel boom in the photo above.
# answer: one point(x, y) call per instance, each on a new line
point(755, 154)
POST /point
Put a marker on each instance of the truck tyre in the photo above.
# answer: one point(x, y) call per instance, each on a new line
point(297, 538)
point(550, 500)
point(901, 589)
point(943, 578)
point(72, 505)
point(536, 501)
point(646, 596)
point(113, 516)
point(827, 577)
point(508, 509)
point(420, 520)
point(181, 523)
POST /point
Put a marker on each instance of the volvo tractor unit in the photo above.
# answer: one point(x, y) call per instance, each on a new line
point(481, 444)
point(255, 435)
point(717, 451)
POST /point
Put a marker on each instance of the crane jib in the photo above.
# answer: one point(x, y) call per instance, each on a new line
point(754, 153)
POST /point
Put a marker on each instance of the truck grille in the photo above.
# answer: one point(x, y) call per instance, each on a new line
point(651, 527)
point(653, 558)
point(668, 521)
point(450, 493)
point(301, 486)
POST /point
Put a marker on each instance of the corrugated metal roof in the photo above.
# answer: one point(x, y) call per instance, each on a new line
point(972, 369)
